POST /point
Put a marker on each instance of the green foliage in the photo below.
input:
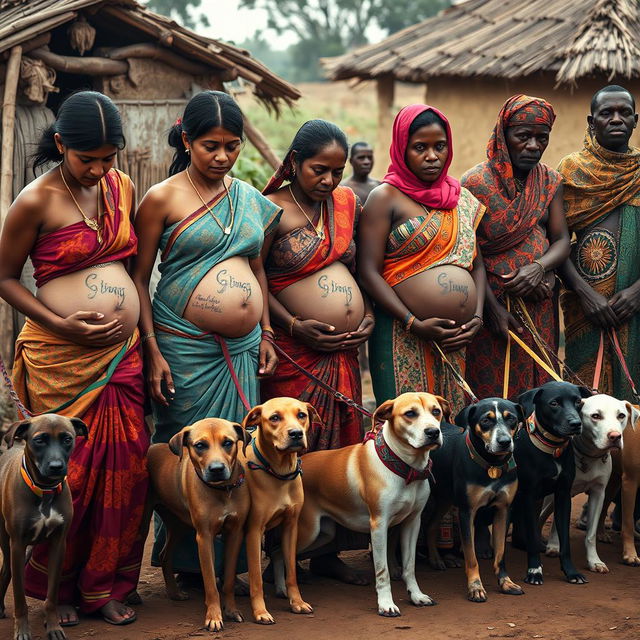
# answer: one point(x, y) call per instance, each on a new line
point(251, 168)
point(180, 10)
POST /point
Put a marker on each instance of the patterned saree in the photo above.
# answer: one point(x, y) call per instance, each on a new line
point(400, 361)
point(104, 387)
point(295, 256)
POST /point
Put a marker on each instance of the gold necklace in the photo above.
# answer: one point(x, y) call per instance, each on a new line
point(319, 228)
point(92, 223)
point(226, 230)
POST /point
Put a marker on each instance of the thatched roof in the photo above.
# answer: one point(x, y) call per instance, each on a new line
point(24, 20)
point(507, 39)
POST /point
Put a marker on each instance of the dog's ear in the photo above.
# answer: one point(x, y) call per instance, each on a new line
point(314, 416)
point(79, 427)
point(179, 441)
point(585, 392)
point(243, 436)
point(383, 412)
point(634, 414)
point(522, 418)
point(527, 400)
point(466, 417)
point(252, 419)
point(445, 406)
point(16, 432)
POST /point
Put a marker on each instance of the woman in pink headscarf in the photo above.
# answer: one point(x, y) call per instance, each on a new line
point(421, 266)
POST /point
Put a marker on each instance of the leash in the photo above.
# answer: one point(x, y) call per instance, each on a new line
point(265, 466)
point(615, 343)
point(12, 391)
point(457, 376)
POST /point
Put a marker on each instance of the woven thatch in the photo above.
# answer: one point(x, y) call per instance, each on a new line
point(507, 39)
point(23, 20)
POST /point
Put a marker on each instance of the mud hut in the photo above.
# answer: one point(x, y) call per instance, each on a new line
point(474, 55)
point(145, 62)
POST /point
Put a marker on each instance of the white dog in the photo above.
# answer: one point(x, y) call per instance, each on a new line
point(603, 420)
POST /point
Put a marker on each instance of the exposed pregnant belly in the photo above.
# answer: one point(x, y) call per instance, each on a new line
point(442, 292)
point(228, 300)
point(330, 295)
point(106, 288)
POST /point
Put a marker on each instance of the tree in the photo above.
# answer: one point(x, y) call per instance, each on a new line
point(181, 9)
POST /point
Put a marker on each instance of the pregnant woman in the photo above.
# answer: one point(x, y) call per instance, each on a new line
point(418, 261)
point(203, 337)
point(79, 351)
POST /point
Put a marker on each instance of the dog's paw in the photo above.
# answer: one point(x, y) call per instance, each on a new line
point(234, 615)
point(213, 622)
point(263, 617)
point(508, 586)
point(387, 608)
point(598, 567)
point(534, 576)
point(605, 537)
point(24, 634)
point(576, 578)
point(55, 633)
point(552, 551)
point(452, 561)
point(395, 572)
point(476, 592)
point(421, 599)
point(631, 559)
point(301, 607)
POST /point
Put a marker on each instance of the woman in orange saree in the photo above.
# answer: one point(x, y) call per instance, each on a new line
point(84, 363)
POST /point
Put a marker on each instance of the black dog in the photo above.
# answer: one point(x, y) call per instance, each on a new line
point(475, 471)
point(546, 465)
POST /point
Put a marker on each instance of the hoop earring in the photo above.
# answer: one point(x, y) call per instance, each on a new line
point(188, 150)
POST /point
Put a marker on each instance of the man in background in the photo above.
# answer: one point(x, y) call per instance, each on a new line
point(361, 159)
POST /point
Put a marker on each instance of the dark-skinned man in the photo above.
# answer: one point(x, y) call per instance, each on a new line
point(361, 159)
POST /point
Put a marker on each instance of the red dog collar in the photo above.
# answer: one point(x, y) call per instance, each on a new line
point(38, 490)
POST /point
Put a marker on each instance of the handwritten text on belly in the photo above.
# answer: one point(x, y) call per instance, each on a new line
point(102, 287)
point(331, 286)
point(229, 282)
point(448, 286)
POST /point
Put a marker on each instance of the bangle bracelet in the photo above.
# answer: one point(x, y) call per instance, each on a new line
point(475, 315)
point(291, 323)
point(408, 321)
point(540, 265)
point(268, 329)
point(147, 336)
point(369, 315)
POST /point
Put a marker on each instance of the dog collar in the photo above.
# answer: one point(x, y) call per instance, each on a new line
point(545, 441)
point(265, 466)
point(581, 454)
point(40, 491)
point(225, 487)
point(393, 462)
point(493, 471)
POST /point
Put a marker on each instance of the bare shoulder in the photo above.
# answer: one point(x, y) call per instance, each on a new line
point(381, 197)
point(30, 203)
point(159, 193)
point(280, 197)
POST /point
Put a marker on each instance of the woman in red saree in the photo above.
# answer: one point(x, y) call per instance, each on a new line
point(524, 238)
point(319, 312)
point(79, 351)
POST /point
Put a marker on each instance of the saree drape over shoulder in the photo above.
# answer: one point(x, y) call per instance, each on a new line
point(400, 361)
point(599, 182)
point(203, 381)
point(103, 386)
point(511, 235)
point(295, 256)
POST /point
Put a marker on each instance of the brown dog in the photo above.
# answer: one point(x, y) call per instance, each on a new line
point(205, 491)
point(276, 491)
point(35, 505)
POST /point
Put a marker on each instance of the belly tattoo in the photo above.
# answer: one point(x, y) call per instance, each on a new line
point(208, 303)
point(447, 286)
point(96, 287)
point(331, 286)
point(229, 282)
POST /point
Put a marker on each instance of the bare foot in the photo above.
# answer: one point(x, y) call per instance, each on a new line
point(330, 566)
point(67, 615)
point(117, 613)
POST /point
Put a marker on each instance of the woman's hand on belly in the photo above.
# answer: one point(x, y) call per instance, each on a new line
point(320, 336)
point(437, 329)
point(361, 334)
point(76, 328)
point(467, 332)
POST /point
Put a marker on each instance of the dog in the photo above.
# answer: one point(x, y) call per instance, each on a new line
point(475, 471)
point(546, 465)
point(204, 490)
point(603, 420)
point(275, 485)
point(36, 505)
point(373, 486)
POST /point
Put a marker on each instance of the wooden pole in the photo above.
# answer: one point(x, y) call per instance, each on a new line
point(385, 86)
point(88, 65)
point(260, 143)
point(6, 182)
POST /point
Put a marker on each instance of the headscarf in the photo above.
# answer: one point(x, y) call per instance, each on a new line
point(441, 194)
point(511, 214)
point(597, 180)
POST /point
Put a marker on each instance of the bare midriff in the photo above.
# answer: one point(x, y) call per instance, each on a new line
point(329, 295)
point(106, 288)
point(447, 292)
point(227, 301)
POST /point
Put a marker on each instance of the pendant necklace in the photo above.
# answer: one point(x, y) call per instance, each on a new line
point(319, 228)
point(92, 223)
point(226, 230)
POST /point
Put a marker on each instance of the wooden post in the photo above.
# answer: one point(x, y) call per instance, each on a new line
point(6, 182)
point(385, 86)
point(260, 143)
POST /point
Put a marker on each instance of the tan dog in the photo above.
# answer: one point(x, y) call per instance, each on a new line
point(276, 490)
point(204, 490)
point(35, 505)
point(373, 486)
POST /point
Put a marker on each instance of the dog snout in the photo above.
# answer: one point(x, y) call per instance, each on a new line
point(56, 468)
point(216, 471)
point(504, 441)
point(575, 426)
point(296, 435)
point(614, 438)
point(432, 434)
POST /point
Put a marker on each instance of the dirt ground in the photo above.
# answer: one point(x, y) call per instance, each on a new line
point(605, 608)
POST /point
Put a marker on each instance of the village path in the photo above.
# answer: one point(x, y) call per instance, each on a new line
point(607, 608)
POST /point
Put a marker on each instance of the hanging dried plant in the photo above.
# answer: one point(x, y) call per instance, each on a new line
point(81, 35)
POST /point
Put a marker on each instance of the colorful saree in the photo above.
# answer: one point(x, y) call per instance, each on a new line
point(400, 361)
point(295, 256)
point(103, 386)
point(512, 235)
point(203, 381)
point(599, 182)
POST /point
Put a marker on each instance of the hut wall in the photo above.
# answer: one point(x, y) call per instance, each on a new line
point(472, 106)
